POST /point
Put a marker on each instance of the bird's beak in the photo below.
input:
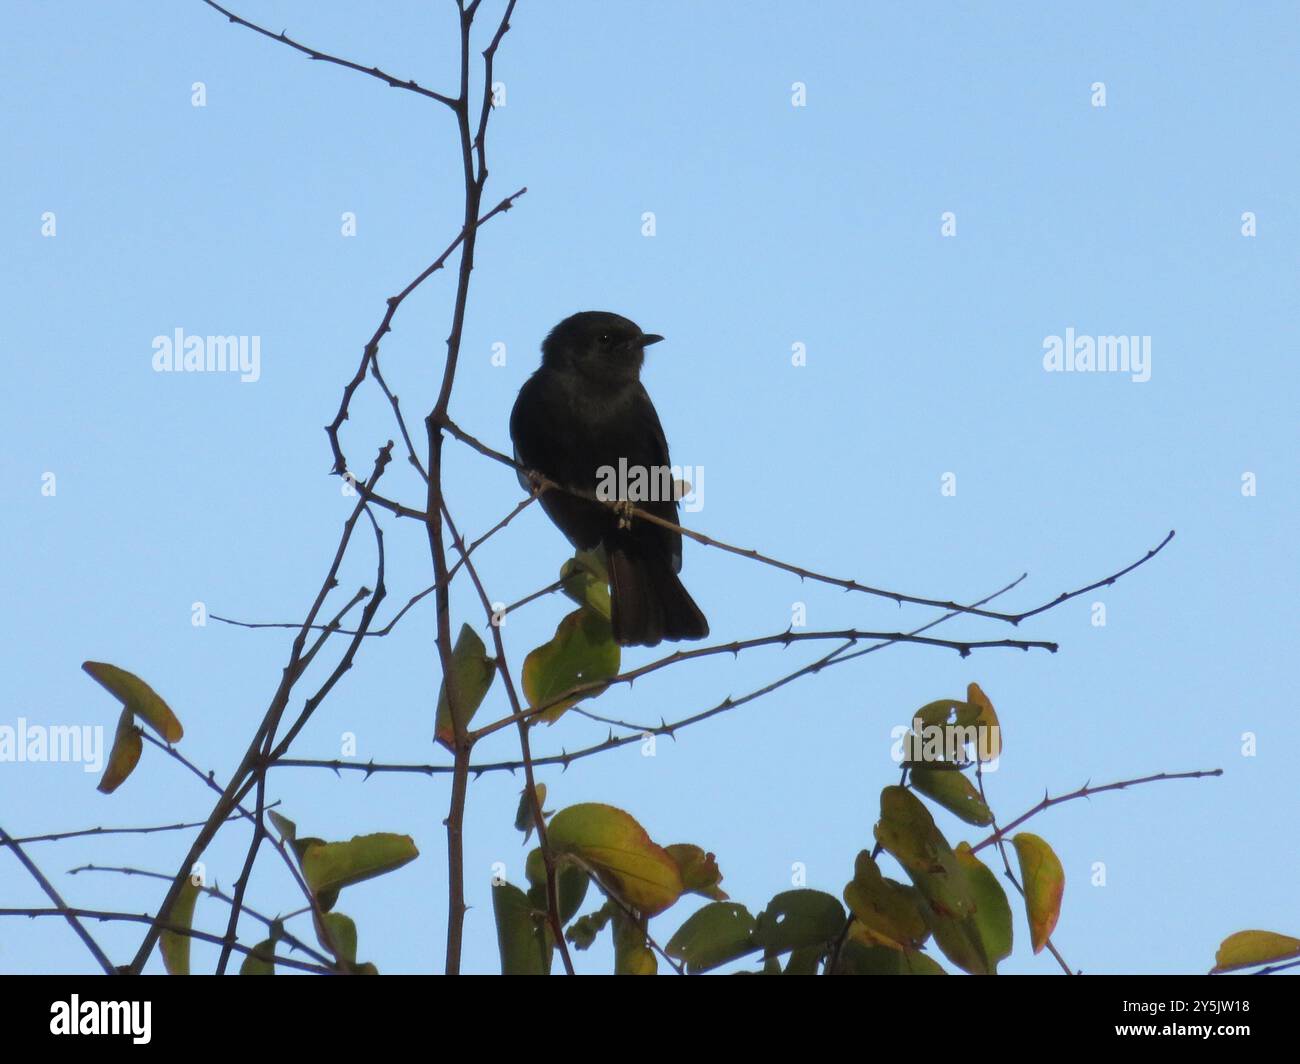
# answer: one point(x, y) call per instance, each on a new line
point(646, 339)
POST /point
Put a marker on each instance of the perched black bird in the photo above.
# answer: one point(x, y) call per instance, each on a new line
point(581, 413)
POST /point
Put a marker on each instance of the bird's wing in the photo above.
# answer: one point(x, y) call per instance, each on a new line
point(656, 454)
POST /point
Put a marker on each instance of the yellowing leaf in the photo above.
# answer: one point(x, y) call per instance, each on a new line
point(582, 651)
point(473, 670)
point(632, 954)
point(125, 754)
point(989, 746)
point(174, 945)
point(1246, 949)
point(1043, 879)
point(700, 872)
point(138, 697)
point(908, 832)
point(888, 913)
point(618, 850)
point(330, 866)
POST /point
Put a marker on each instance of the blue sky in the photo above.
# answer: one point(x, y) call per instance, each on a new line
point(775, 225)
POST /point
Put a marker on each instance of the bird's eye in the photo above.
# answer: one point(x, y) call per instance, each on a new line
point(604, 339)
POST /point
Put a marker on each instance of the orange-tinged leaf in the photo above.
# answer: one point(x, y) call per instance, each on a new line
point(989, 746)
point(620, 853)
point(1043, 879)
point(138, 697)
point(1246, 949)
point(125, 754)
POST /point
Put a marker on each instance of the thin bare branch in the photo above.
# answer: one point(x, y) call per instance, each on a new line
point(312, 53)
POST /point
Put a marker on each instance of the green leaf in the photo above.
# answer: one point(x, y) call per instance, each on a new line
point(584, 930)
point(571, 882)
point(338, 934)
point(619, 852)
point(859, 959)
point(889, 913)
point(947, 711)
point(699, 870)
point(798, 918)
point(992, 910)
point(908, 832)
point(174, 945)
point(138, 697)
point(473, 670)
point(333, 865)
point(632, 955)
point(1043, 880)
point(521, 933)
point(287, 828)
point(261, 961)
point(125, 755)
point(581, 651)
point(1246, 949)
point(717, 933)
point(805, 961)
point(585, 579)
point(976, 943)
point(954, 791)
point(524, 814)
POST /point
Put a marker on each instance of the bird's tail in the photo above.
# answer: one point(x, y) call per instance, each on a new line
point(649, 603)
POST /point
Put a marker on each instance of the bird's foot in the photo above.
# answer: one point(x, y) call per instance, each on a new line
point(623, 510)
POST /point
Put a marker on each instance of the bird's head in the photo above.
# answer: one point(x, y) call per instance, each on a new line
point(603, 348)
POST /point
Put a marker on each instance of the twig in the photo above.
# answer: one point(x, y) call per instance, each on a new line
point(69, 914)
point(1087, 791)
point(899, 597)
point(530, 784)
point(374, 72)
